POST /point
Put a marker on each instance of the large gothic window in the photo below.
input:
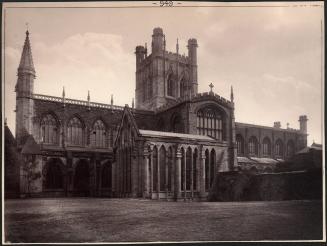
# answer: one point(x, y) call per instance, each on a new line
point(240, 145)
point(150, 89)
point(170, 86)
point(266, 147)
point(98, 136)
point(75, 132)
point(49, 130)
point(290, 148)
point(210, 123)
point(145, 90)
point(279, 148)
point(182, 88)
point(253, 146)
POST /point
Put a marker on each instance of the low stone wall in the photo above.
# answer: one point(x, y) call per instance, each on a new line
point(237, 186)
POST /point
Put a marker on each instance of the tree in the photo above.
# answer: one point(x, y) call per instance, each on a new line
point(30, 172)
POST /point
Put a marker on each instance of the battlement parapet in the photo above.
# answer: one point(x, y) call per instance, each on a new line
point(76, 102)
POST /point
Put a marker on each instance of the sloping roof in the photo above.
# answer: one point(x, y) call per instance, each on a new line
point(257, 160)
point(265, 160)
point(173, 135)
point(316, 146)
point(9, 137)
point(243, 159)
point(30, 146)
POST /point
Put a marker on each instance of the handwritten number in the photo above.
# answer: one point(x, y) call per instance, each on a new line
point(166, 3)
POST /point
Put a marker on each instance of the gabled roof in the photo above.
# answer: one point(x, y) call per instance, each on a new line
point(148, 133)
point(127, 113)
point(31, 147)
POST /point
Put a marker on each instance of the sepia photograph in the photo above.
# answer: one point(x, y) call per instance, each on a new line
point(163, 122)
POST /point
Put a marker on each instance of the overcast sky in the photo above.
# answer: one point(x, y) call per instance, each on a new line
point(271, 55)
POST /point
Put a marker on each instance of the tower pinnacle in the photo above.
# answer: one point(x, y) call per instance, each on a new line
point(26, 64)
point(231, 94)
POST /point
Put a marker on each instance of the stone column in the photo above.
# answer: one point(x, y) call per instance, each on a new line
point(192, 175)
point(134, 170)
point(178, 174)
point(184, 181)
point(151, 173)
point(146, 186)
point(202, 179)
point(158, 174)
point(166, 177)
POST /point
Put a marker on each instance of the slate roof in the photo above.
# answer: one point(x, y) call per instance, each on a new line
point(150, 133)
point(256, 160)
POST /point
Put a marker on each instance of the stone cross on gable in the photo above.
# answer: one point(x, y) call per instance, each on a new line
point(211, 86)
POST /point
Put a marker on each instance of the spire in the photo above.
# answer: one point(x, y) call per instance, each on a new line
point(146, 50)
point(177, 47)
point(112, 99)
point(231, 94)
point(133, 102)
point(26, 61)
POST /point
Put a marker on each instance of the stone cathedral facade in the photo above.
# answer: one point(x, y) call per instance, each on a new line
point(170, 146)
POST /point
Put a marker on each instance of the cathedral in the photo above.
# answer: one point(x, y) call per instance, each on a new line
point(169, 145)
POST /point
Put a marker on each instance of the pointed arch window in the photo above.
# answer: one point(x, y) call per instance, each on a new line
point(266, 147)
point(170, 86)
point(182, 88)
point(75, 132)
point(145, 90)
point(99, 134)
point(253, 146)
point(210, 123)
point(49, 130)
point(150, 88)
point(240, 145)
point(279, 148)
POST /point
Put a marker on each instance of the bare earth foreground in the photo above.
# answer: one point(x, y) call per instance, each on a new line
point(116, 220)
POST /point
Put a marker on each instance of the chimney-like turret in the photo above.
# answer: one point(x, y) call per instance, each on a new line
point(140, 55)
point(303, 123)
point(157, 41)
point(277, 124)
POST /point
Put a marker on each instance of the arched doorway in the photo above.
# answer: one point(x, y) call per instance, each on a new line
point(81, 178)
point(53, 174)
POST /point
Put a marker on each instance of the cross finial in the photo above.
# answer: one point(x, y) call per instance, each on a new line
point(26, 24)
point(211, 86)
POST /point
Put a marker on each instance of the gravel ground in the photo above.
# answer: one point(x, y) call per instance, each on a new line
point(133, 220)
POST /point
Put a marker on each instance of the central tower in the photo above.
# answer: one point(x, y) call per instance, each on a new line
point(164, 76)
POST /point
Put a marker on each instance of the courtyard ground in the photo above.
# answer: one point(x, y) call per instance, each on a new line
point(134, 220)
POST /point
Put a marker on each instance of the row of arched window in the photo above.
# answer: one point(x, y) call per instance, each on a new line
point(253, 147)
point(100, 136)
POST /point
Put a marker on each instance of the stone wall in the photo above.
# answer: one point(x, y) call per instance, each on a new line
point(236, 186)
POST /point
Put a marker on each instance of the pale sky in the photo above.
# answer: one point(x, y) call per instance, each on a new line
point(271, 55)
